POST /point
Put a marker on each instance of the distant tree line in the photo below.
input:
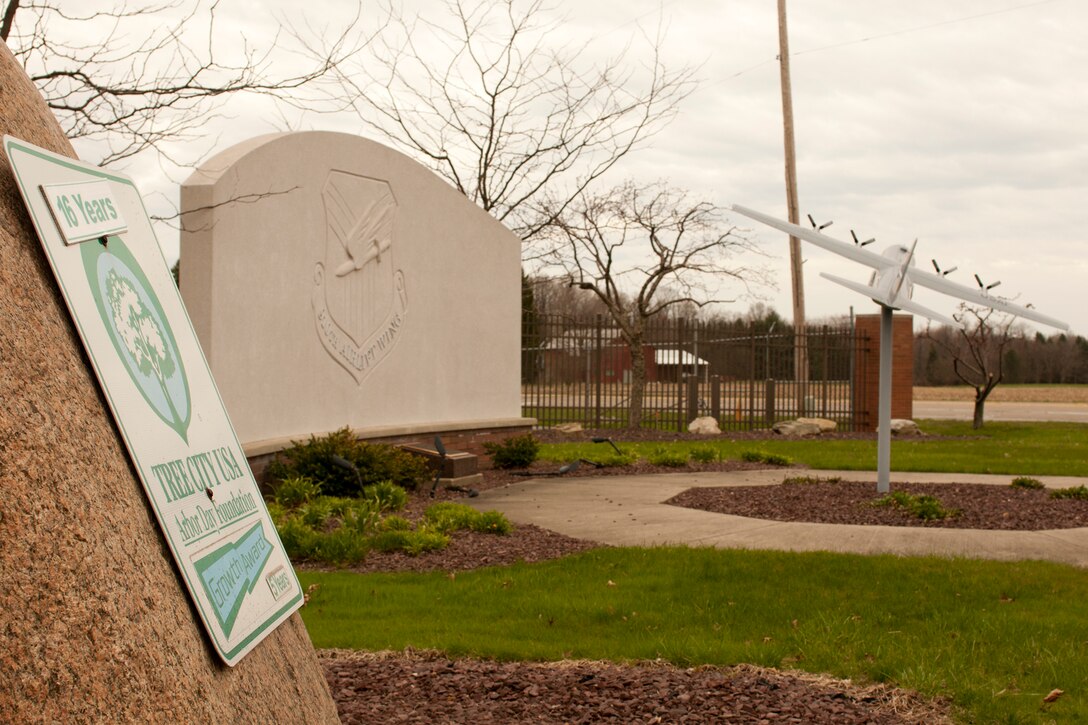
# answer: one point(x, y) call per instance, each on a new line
point(1053, 359)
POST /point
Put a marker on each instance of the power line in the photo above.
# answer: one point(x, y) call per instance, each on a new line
point(893, 33)
point(918, 28)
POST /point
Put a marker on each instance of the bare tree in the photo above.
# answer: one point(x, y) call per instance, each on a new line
point(144, 74)
point(555, 296)
point(978, 351)
point(642, 250)
point(486, 96)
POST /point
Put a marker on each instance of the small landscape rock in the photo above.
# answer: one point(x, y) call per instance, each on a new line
point(826, 425)
point(796, 428)
point(903, 427)
point(705, 425)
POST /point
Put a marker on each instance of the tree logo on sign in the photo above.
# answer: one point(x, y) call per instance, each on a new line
point(139, 331)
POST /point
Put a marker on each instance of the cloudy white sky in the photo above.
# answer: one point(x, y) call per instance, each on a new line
point(960, 123)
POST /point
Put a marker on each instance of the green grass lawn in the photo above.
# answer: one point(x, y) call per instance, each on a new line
point(1000, 447)
point(993, 637)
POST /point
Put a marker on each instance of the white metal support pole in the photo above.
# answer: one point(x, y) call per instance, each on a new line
point(884, 409)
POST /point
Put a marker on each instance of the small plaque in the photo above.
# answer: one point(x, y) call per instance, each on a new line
point(84, 210)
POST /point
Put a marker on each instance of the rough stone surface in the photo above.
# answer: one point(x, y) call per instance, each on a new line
point(705, 425)
point(96, 623)
point(796, 428)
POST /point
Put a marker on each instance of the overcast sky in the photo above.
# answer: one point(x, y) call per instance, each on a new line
point(964, 124)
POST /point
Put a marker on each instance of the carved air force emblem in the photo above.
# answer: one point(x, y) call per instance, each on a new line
point(359, 298)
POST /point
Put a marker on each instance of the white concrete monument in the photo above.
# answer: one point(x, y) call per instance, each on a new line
point(333, 281)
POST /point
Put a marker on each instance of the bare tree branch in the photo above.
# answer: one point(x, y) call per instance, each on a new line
point(142, 83)
point(509, 118)
point(978, 351)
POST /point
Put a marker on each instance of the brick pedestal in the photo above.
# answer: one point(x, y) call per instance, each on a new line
point(867, 369)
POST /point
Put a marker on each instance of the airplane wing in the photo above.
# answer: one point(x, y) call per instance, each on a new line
point(898, 303)
point(913, 274)
point(976, 296)
point(862, 289)
point(845, 249)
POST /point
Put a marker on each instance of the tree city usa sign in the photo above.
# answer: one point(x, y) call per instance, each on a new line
point(128, 312)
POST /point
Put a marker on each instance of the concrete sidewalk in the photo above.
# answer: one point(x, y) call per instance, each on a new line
point(628, 511)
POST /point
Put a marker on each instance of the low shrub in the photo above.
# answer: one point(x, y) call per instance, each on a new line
point(772, 459)
point(374, 463)
point(514, 452)
point(386, 496)
point(616, 460)
point(339, 507)
point(667, 456)
point(362, 515)
point(395, 523)
point(342, 546)
point(491, 522)
point(392, 540)
point(412, 543)
point(1026, 482)
point(1076, 492)
point(704, 454)
point(448, 516)
point(299, 540)
point(809, 480)
point(276, 511)
point(924, 506)
point(315, 513)
point(340, 531)
point(295, 491)
point(424, 540)
point(379, 463)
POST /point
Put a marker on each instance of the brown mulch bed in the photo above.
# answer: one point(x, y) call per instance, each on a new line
point(979, 506)
point(428, 687)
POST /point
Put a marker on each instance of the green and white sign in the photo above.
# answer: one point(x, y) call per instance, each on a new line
point(101, 246)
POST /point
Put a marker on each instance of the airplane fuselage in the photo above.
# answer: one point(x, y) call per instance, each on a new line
point(892, 282)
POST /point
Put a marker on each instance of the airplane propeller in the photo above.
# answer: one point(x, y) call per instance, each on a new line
point(861, 244)
point(986, 287)
point(946, 272)
point(818, 227)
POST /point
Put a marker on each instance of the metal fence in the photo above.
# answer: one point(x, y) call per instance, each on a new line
point(579, 371)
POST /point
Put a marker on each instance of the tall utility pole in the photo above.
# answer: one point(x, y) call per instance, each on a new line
point(800, 360)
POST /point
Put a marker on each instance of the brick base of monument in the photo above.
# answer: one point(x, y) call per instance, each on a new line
point(867, 371)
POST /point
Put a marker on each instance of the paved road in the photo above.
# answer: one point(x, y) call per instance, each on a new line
point(629, 511)
point(1069, 412)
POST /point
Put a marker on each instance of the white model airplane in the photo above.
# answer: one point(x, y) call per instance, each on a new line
point(894, 276)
